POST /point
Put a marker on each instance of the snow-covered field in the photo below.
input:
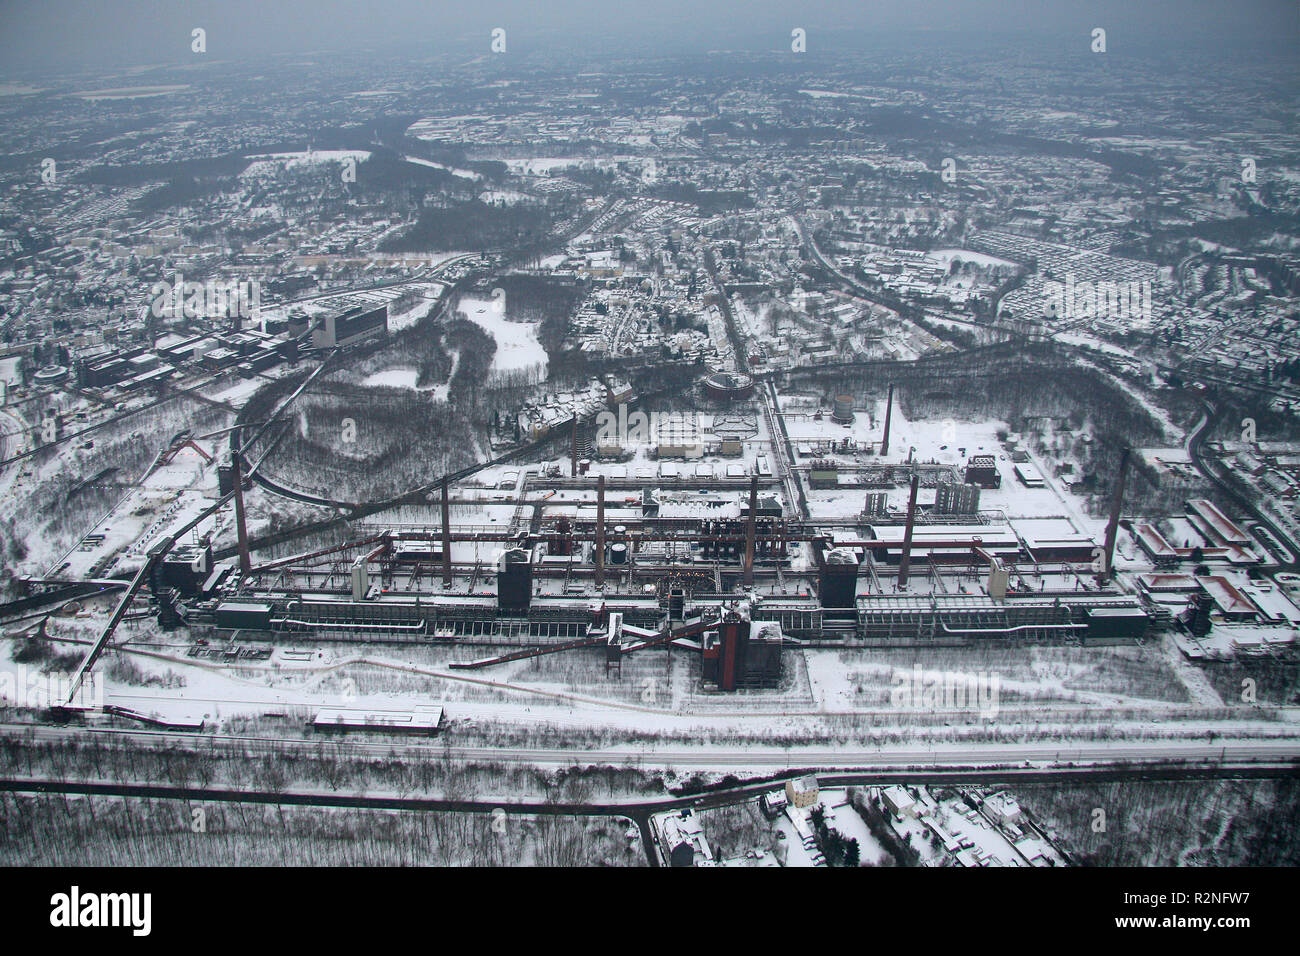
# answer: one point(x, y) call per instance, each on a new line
point(393, 378)
point(239, 393)
point(539, 166)
point(268, 163)
point(946, 256)
point(502, 197)
point(462, 173)
point(517, 344)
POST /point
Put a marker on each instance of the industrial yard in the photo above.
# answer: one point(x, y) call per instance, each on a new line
point(654, 441)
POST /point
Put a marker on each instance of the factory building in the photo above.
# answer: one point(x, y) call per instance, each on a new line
point(951, 498)
point(741, 653)
point(960, 542)
point(837, 577)
point(515, 580)
point(877, 504)
point(891, 620)
point(1075, 546)
point(982, 470)
point(184, 569)
point(354, 325)
point(1215, 525)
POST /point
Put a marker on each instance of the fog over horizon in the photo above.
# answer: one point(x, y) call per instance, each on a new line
point(71, 35)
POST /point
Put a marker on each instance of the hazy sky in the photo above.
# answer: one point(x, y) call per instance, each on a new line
point(70, 33)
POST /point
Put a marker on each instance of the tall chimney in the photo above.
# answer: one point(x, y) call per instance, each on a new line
point(749, 531)
point(241, 523)
point(905, 563)
point(889, 411)
point(1112, 525)
point(446, 533)
point(600, 531)
point(573, 448)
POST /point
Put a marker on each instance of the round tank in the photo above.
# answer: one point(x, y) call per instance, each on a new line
point(843, 409)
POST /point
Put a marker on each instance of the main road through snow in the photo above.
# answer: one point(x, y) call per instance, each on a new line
point(732, 757)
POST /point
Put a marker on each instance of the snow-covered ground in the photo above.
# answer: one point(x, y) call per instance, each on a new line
point(502, 197)
point(462, 173)
point(239, 393)
point(268, 163)
point(517, 344)
point(540, 166)
point(984, 261)
point(393, 378)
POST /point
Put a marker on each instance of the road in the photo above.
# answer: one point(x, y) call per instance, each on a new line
point(638, 809)
point(739, 757)
point(857, 288)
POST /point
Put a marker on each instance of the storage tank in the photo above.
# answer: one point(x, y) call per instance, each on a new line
point(729, 386)
point(842, 411)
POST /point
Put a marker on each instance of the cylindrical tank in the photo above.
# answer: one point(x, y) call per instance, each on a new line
point(843, 409)
point(618, 554)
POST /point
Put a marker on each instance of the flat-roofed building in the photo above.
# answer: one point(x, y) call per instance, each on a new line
point(1229, 601)
point(950, 544)
point(1029, 475)
point(1222, 529)
point(354, 325)
point(423, 719)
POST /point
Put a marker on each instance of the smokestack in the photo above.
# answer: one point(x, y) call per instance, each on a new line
point(573, 449)
point(446, 533)
point(241, 523)
point(906, 562)
point(1112, 525)
point(889, 411)
point(749, 531)
point(600, 531)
